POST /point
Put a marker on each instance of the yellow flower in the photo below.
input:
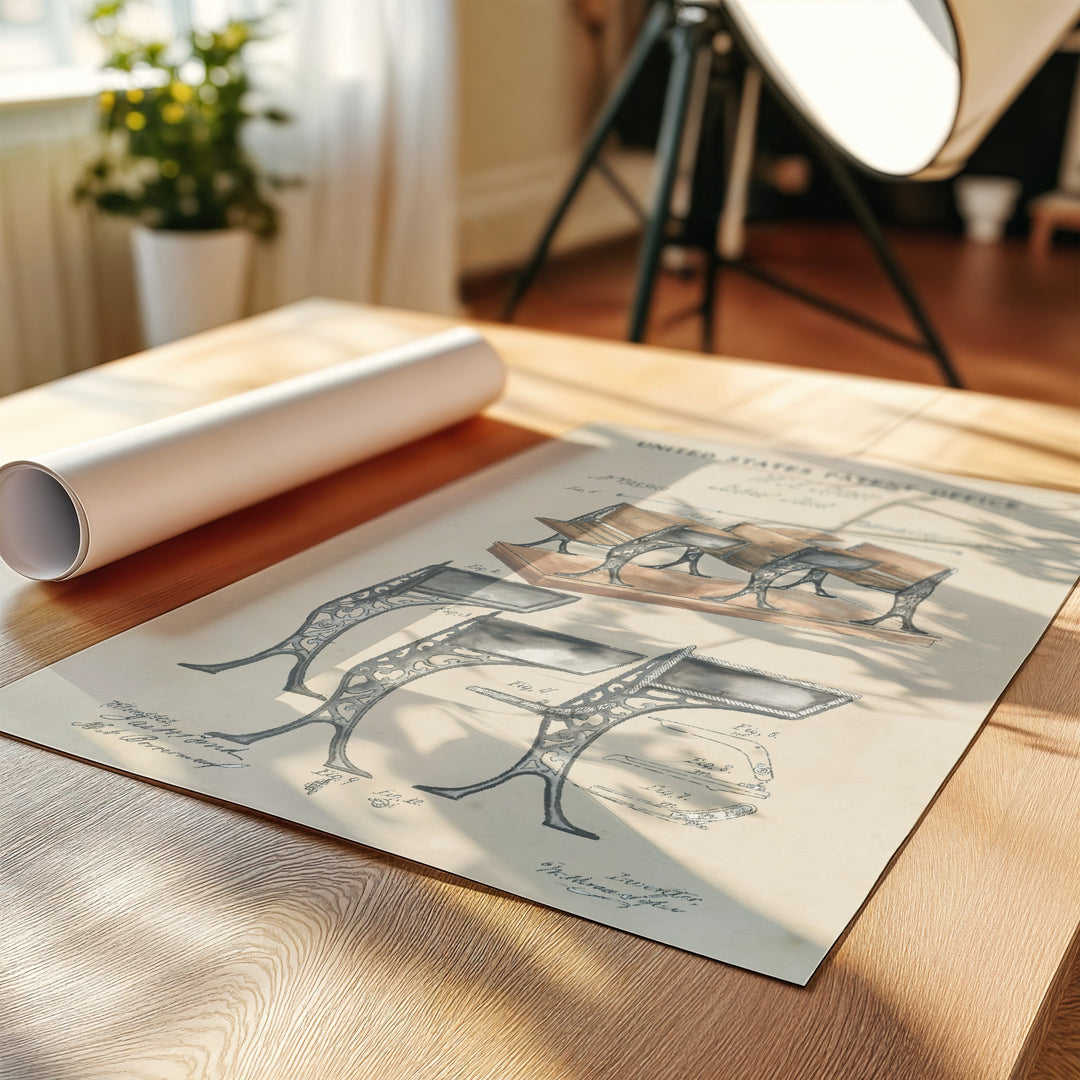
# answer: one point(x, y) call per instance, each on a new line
point(233, 36)
point(172, 113)
point(135, 121)
point(181, 92)
point(106, 100)
point(169, 169)
point(135, 96)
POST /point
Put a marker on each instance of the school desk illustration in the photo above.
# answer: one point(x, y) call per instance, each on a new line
point(787, 569)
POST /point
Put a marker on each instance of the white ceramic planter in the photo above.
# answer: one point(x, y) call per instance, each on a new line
point(189, 281)
point(986, 203)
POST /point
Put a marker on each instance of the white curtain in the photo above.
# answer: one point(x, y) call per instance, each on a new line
point(372, 88)
point(49, 322)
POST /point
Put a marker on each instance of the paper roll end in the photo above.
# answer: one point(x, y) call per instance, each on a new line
point(42, 529)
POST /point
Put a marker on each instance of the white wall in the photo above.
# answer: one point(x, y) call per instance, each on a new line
point(526, 96)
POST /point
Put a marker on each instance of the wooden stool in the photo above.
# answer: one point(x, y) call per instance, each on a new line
point(1049, 212)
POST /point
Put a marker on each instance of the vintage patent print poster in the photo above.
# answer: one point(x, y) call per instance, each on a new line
point(692, 691)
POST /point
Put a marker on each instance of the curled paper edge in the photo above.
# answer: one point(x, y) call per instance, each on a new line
point(71, 510)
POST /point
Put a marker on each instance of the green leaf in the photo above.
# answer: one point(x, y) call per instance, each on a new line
point(208, 180)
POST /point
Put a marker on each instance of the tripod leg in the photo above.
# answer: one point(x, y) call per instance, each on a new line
point(685, 41)
point(652, 31)
point(698, 108)
point(730, 237)
point(708, 302)
point(729, 195)
point(869, 224)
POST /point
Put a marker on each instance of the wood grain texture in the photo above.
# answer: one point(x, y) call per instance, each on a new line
point(1009, 320)
point(1059, 1056)
point(153, 935)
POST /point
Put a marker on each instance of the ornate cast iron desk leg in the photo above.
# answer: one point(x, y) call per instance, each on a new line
point(481, 640)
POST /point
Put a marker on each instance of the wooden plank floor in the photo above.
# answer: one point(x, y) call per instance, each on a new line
point(1011, 320)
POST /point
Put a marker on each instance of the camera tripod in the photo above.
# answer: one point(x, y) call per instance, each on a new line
point(690, 27)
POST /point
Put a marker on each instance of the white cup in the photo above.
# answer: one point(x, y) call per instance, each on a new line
point(986, 203)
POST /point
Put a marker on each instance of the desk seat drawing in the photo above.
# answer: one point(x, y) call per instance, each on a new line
point(677, 680)
point(787, 568)
point(437, 585)
point(482, 641)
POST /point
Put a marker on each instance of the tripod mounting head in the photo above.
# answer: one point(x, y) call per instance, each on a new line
point(694, 12)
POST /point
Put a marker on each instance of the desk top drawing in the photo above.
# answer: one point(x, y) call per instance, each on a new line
point(720, 698)
point(803, 556)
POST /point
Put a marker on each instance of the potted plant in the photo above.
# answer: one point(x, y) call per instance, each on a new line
point(172, 158)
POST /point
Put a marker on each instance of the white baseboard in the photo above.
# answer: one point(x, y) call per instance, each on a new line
point(503, 209)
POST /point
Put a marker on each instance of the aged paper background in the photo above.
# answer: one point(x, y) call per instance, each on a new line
point(747, 836)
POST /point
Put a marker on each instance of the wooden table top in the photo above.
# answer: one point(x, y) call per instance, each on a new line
point(155, 935)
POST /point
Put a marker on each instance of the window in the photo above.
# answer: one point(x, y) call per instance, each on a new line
point(47, 51)
point(37, 34)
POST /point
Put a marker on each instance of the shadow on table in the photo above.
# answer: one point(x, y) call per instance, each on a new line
point(156, 934)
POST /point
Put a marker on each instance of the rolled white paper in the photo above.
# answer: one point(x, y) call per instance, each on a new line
point(69, 511)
